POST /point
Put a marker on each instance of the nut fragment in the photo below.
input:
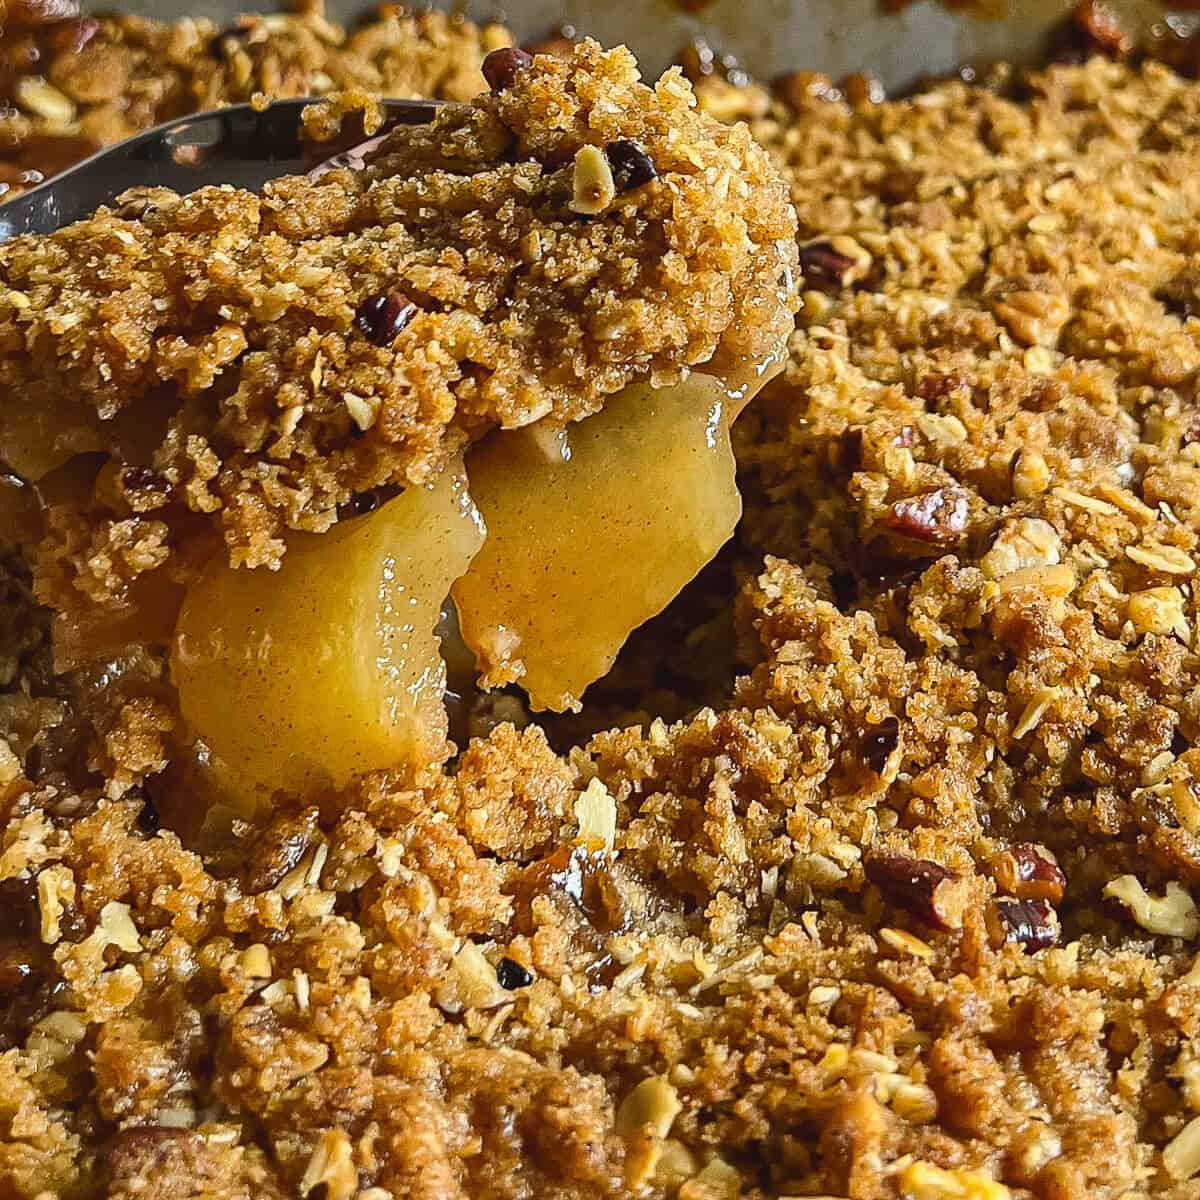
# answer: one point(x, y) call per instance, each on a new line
point(55, 890)
point(832, 264)
point(1092, 28)
point(1027, 871)
point(1032, 924)
point(1159, 610)
point(1020, 543)
point(631, 166)
point(879, 742)
point(501, 67)
point(717, 1181)
point(1031, 474)
point(116, 928)
point(1181, 1155)
point(936, 516)
point(930, 892)
point(653, 1102)
point(925, 1181)
point(382, 318)
point(592, 186)
point(256, 961)
point(934, 388)
point(471, 982)
point(40, 12)
point(331, 1167)
point(1033, 317)
point(596, 812)
point(362, 411)
point(942, 429)
point(1173, 914)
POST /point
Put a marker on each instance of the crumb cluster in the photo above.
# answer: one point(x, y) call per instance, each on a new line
point(73, 83)
point(245, 365)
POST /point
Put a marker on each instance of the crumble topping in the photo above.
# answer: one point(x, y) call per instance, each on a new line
point(251, 364)
point(74, 83)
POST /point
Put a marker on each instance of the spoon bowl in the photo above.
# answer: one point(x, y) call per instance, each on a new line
point(238, 145)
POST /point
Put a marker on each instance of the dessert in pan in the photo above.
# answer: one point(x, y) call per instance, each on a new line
point(798, 491)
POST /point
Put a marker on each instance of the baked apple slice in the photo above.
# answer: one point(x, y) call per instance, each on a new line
point(328, 667)
point(592, 530)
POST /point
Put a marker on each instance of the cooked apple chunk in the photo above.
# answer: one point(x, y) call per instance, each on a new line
point(330, 666)
point(592, 530)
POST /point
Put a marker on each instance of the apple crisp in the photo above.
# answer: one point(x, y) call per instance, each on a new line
point(901, 907)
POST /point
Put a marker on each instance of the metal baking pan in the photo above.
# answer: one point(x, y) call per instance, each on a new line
point(767, 37)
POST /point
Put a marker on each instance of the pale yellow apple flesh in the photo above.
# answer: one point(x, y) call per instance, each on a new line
point(329, 667)
point(592, 530)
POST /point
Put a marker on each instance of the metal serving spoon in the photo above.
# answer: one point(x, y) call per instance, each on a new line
point(234, 145)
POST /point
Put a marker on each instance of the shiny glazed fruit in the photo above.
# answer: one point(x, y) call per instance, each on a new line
point(330, 666)
point(592, 530)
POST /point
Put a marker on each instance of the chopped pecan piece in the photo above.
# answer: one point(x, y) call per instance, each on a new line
point(824, 267)
point(631, 166)
point(938, 387)
point(41, 12)
point(1027, 871)
point(280, 848)
point(1092, 28)
point(136, 1152)
point(381, 319)
point(500, 68)
point(879, 741)
point(1190, 426)
point(1032, 924)
point(936, 516)
point(71, 36)
point(930, 892)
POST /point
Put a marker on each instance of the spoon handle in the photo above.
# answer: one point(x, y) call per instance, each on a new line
point(236, 145)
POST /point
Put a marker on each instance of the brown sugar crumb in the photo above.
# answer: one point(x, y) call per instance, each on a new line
point(75, 83)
